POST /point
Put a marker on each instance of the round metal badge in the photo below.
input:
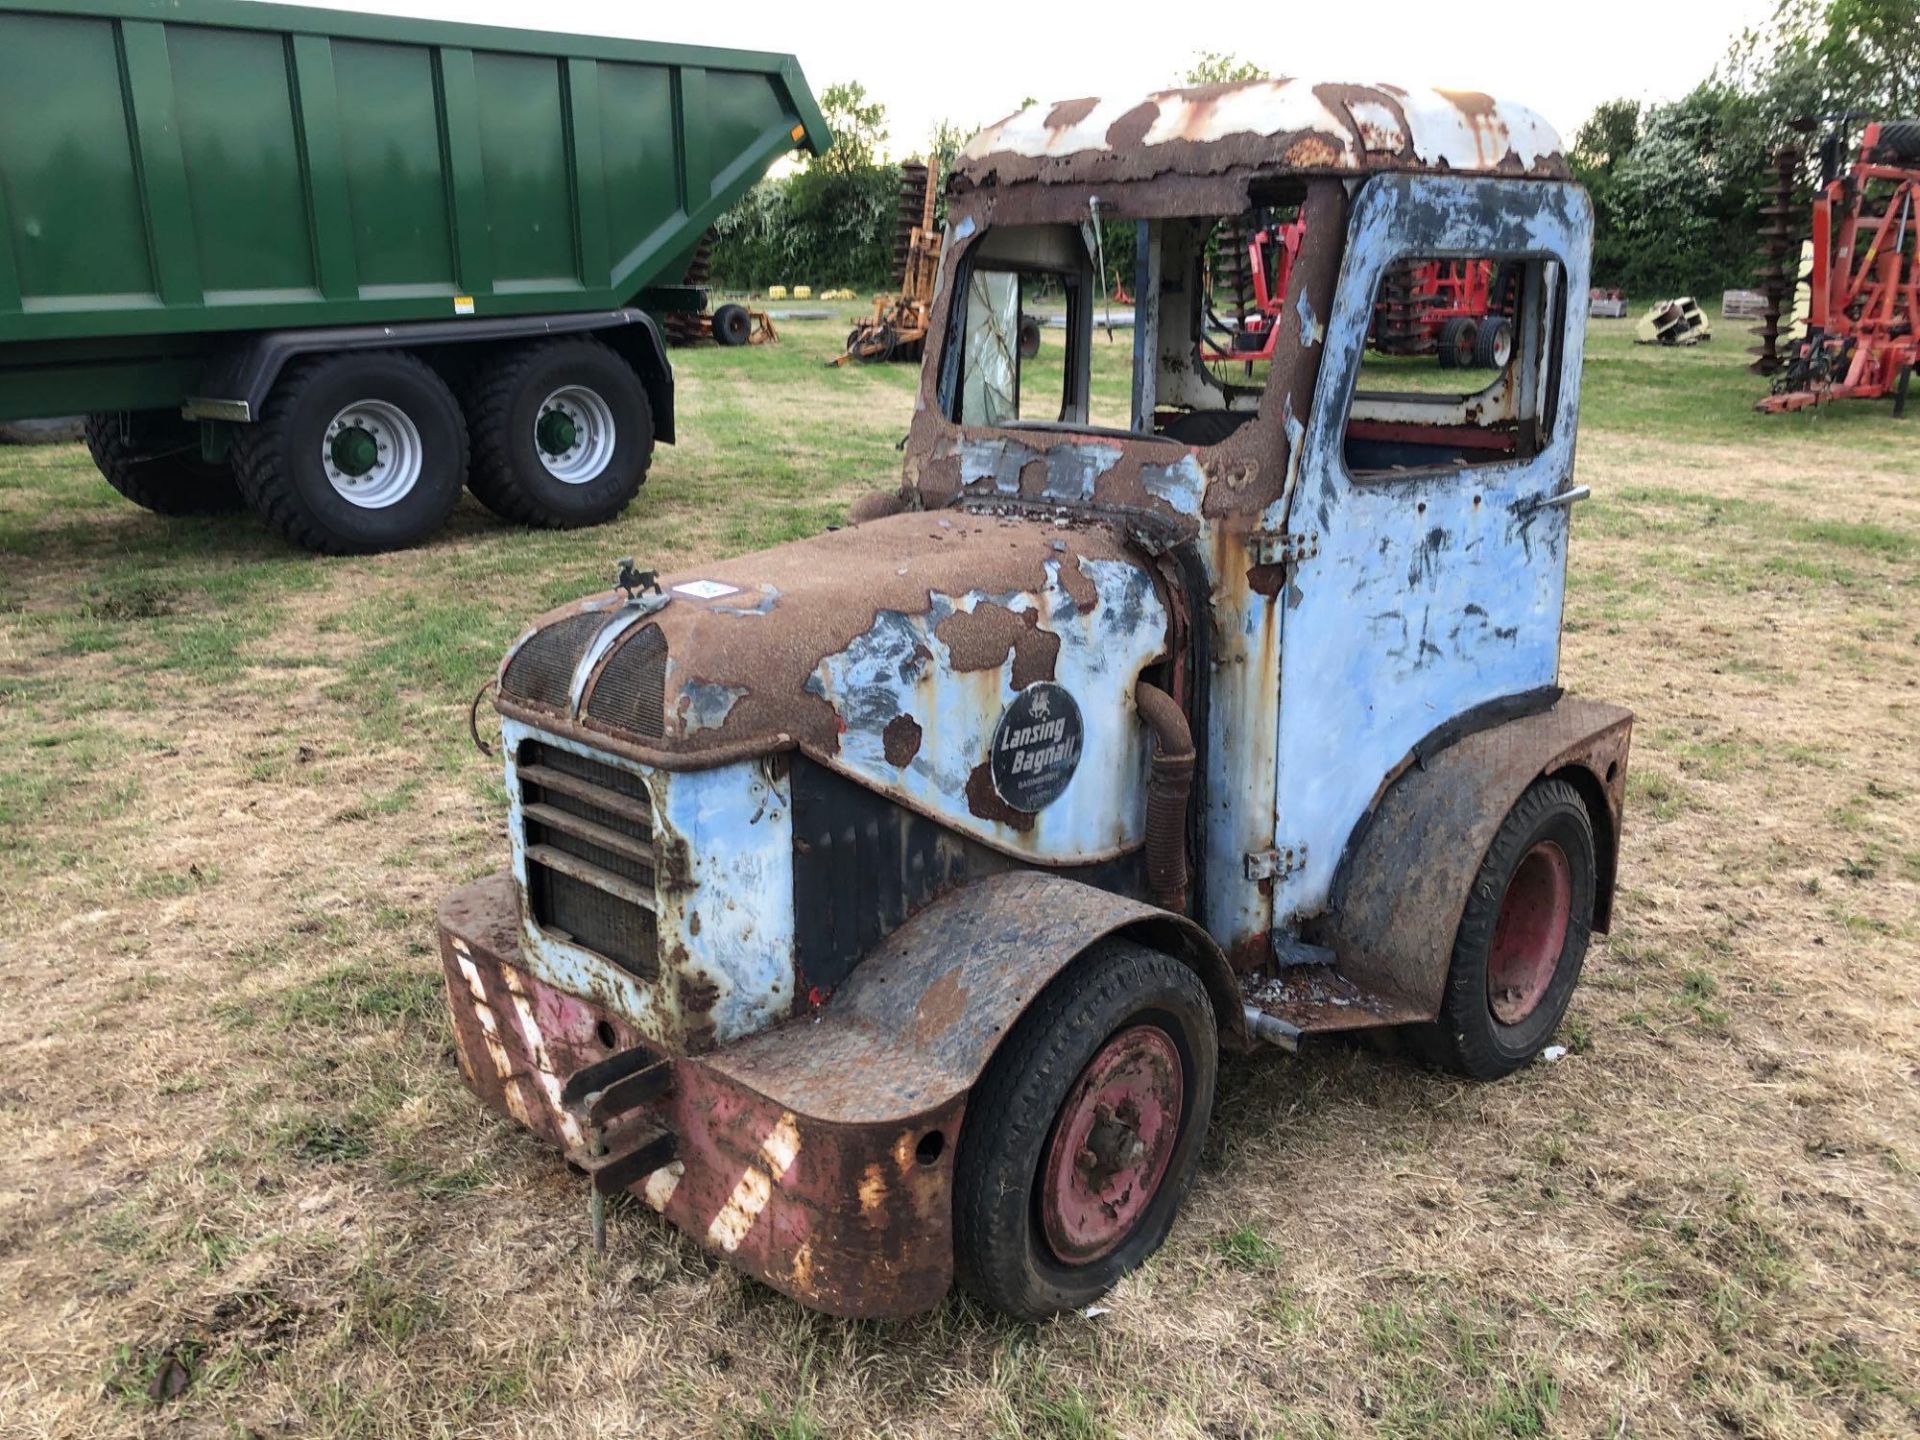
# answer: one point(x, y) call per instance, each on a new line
point(1036, 747)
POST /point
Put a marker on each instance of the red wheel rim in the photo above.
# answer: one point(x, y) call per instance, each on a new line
point(1530, 934)
point(1112, 1144)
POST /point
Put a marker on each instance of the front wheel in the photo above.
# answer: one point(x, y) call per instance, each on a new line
point(1522, 937)
point(562, 434)
point(1083, 1135)
point(355, 454)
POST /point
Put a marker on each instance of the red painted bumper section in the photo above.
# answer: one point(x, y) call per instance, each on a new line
point(854, 1219)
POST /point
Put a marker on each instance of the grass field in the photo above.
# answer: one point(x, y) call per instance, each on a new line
point(242, 1191)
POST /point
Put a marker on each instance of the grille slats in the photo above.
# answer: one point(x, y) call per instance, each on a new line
point(631, 690)
point(541, 672)
point(587, 832)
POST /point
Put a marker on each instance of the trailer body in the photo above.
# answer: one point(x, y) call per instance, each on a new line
point(181, 178)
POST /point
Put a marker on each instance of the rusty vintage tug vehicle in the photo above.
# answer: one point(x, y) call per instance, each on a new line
point(880, 904)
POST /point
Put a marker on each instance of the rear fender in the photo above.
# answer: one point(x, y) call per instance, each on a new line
point(1403, 880)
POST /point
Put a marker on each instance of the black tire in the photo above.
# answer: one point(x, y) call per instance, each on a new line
point(278, 461)
point(1493, 346)
point(732, 325)
point(504, 411)
point(1029, 336)
point(1001, 1254)
point(153, 458)
point(1457, 339)
point(1469, 1036)
point(1901, 139)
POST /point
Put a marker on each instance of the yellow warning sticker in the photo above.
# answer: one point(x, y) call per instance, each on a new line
point(463, 304)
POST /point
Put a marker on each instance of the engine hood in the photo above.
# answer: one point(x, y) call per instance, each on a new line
point(898, 652)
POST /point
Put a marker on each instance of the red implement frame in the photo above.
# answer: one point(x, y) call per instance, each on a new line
point(1863, 321)
point(1271, 252)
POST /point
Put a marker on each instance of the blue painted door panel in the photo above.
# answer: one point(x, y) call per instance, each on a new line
point(1432, 591)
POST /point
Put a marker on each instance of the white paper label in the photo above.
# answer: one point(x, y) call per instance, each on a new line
point(706, 589)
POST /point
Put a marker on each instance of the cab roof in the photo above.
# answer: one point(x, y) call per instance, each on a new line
point(1280, 126)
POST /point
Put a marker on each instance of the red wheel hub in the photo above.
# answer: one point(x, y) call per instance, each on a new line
point(1112, 1144)
point(1530, 934)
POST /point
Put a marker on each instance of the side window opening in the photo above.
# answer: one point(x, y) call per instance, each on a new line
point(1459, 366)
point(1022, 319)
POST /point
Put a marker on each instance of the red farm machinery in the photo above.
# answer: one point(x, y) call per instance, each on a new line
point(1459, 311)
point(1861, 275)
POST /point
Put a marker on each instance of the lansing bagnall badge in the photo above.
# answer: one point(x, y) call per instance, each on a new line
point(1036, 747)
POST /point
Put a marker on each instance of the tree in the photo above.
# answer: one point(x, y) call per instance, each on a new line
point(859, 127)
point(1218, 68)
point(1607, 138)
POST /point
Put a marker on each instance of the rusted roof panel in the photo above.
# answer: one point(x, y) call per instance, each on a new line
point(1272, 125)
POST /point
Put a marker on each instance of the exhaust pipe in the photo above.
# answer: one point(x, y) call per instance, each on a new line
point(1168, 790)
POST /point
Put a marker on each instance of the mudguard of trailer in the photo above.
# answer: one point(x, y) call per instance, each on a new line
point(1403, 879)
point(237, 382)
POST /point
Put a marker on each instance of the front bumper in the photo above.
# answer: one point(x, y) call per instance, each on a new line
point(854, 1219)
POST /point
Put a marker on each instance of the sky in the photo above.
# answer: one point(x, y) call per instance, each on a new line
point(975, 63)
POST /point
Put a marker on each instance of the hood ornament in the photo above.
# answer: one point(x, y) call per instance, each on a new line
point(641, 587)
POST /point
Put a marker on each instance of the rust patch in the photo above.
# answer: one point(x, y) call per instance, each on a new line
point(979, 639)
point(901, 739)
point(983, 800)
point(1131, 128)
point(1267, 580)
point(944, 1002)
point(1069, 113)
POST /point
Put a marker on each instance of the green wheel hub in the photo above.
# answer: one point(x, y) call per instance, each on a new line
point(355, 451)
point(556, 432)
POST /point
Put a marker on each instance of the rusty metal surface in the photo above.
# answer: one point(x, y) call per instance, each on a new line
point(850, 1218)
point(1402, 886)
point(1315, 998)
point(1281, 126)
point(888, 651)
point(918, 1019)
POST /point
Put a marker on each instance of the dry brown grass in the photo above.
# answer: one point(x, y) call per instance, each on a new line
point(235, 1156)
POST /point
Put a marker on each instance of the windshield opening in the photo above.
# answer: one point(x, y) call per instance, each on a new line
point(1161, 328)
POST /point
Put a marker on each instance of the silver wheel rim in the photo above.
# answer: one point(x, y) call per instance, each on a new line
point(398, 450)
point(591, 450)
point(1502, 347)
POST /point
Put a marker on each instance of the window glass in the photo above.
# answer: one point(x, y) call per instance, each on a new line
point(1455, 372)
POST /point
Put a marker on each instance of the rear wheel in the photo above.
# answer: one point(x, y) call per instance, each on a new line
point(1522, 937)
point(1493, 346)
point(732, 325)
point(562, 434)
point(355, 454)
point(1083, 1135)
point(1457, 339)
point(153, 459)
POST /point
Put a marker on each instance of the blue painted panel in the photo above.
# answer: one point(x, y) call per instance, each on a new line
point(1431, 592)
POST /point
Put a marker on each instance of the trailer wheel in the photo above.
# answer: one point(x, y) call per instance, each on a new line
point(732, 325)
point(1522, 938)
point(1457, 339)
point(153, 459)
point(1493, 346)
point(562, 434)
point(355, 454)
point(1083, 1134)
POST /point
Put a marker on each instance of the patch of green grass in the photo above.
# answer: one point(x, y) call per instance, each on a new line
point(1247, 1249)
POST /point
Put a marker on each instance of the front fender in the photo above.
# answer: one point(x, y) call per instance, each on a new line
point(1403, 881)
point(920, 1016)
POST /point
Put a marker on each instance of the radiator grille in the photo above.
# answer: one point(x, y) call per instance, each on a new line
point(541, 672)
point(631, 690)
point(588, 839)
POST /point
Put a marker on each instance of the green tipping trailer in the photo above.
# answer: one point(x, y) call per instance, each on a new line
point(334, 265)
